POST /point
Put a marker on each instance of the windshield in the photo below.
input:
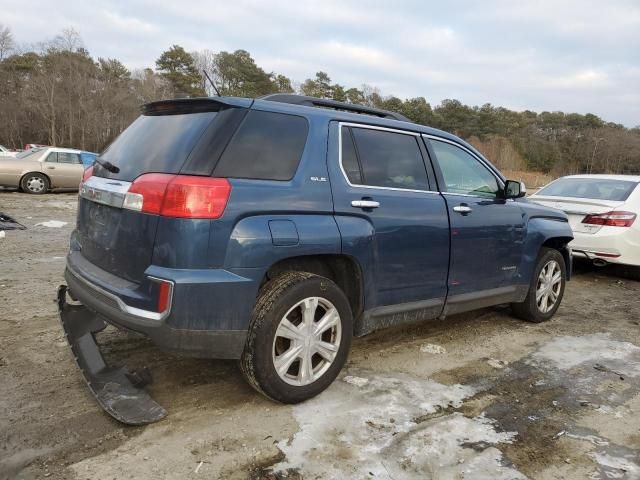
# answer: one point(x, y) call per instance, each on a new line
point(592, 188)
point(28, 153)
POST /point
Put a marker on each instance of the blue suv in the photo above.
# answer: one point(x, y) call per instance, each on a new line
point(274, 230)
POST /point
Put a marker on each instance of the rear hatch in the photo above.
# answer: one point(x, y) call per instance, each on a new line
point(167, 140)
point(580, 197)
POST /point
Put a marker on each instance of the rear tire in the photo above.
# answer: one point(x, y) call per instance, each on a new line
point(299, 337)
point(34, 183)
point(546, 289)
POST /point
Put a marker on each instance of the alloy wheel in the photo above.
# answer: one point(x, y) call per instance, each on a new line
point(549, 285)
point(307, 341)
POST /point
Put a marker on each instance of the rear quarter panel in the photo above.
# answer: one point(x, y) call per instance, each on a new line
point(12, 170)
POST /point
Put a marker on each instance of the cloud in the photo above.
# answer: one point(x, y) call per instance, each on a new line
point(574, 55)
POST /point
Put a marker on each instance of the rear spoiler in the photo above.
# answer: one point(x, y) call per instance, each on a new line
point(194, 105)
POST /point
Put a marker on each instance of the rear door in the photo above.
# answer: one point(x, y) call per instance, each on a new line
point(487, 232)
point(64, 168)
point(379, 180)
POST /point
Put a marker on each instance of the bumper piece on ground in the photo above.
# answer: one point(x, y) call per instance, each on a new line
point(111, 386)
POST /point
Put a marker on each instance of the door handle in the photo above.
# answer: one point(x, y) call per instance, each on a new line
point(51, 168)
point(365, 204)
point(464, 209)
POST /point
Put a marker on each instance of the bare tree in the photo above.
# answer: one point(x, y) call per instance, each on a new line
point(7, 44)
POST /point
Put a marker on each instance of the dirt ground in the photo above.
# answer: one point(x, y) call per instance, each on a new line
point(476, 396)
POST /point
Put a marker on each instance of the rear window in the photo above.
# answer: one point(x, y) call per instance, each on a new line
point(592, 188)
point(155, 143)
point(266, 146)
point(28, 153)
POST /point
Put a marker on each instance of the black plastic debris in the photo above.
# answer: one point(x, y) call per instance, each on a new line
point(118, 391)
point(8, 223)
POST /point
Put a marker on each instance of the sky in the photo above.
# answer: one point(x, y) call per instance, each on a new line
point(570, 55)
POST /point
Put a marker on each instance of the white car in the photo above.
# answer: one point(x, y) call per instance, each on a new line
point(5, 152)
point(603, 213)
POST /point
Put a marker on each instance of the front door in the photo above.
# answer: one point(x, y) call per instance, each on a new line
point(390, 217)
point(487, 231)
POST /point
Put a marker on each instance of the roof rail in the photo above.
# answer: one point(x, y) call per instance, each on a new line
point(326, 103)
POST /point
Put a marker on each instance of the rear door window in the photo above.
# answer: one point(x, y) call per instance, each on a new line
point(68, 157)
point(389, 159)
point(266, 146)
point(350, 162)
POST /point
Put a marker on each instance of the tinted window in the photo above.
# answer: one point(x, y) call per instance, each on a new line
point(52, 157)
point(154, 143)
point(390, 159)
point(593, 188)
point(462, 172)
point(266, 146)
point(349, 158)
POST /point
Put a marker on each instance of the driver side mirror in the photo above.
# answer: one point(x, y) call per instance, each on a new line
point(514, 189)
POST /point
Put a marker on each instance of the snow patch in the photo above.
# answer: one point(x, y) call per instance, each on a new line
point(357, 381)
point(51, 224)
point(567, 352)
point(393, 426)
point(617, 467)
point(432, 348)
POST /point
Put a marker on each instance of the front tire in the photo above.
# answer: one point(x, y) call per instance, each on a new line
point(546, 289)
point(299, 337)
point(35, 183)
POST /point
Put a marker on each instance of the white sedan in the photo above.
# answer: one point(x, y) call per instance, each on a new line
point(603, 212)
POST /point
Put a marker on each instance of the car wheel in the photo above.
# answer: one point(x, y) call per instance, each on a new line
point(35, 183)
point(546, 289)
point(299, 337)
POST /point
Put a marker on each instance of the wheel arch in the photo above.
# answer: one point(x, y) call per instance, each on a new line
point(343, 270)
point(35, 171)
point(562, 245)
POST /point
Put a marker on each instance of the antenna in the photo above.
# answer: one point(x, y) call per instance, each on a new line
point(211, 81)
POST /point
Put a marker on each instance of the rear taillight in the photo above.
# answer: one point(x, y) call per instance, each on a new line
point(611, 219)
point(87, 173)
point(181, 196)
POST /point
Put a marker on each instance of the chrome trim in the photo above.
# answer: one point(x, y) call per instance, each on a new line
point(365, 204)
point(372, 127)
point(484, 163)
point(105, 191)
point(462, 209)
point(138, 312)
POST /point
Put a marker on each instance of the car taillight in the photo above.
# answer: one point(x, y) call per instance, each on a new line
point(611, 219)
point(87, 173)
point(181, 196)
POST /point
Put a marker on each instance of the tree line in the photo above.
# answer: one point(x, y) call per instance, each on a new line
point(56, 93)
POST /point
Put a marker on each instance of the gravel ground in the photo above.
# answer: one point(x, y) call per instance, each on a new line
point(480, 395)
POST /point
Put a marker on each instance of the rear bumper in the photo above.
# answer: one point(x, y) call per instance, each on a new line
point(611, 244)
point(209, 314)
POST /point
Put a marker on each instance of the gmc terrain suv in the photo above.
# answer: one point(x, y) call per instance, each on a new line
point(274, 230)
